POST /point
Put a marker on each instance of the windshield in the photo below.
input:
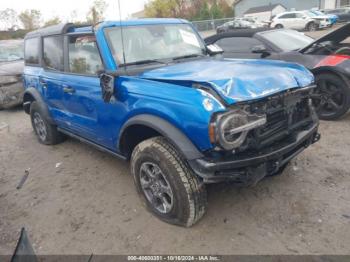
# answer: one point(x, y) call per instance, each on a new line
point(11, 50)
point(154, 42)
point(287, 40)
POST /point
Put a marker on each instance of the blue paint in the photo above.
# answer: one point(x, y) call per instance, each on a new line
point(166, 92)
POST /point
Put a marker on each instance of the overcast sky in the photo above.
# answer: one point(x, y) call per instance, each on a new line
point(64, 8)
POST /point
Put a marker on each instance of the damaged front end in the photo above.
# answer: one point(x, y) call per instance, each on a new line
point(256, 139)
point(11, 91)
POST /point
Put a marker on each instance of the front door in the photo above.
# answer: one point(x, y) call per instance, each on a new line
point(81, 87)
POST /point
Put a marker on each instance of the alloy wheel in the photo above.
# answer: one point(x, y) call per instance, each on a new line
point(328, 99)
point(40, 126)
point(156, 187)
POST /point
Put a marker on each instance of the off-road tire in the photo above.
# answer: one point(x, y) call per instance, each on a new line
point(53, 136)
point(344, 90)
point(189, 193)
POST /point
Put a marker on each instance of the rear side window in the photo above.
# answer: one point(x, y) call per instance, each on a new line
point(53, 52)
point(83, 55)
point(287, 16)
point(238, 44)
point(31, 51)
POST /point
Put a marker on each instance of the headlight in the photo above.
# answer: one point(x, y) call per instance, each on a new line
point(231, 128)
point(8, 80)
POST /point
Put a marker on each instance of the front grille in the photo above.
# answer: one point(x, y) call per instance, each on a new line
point(285, 117)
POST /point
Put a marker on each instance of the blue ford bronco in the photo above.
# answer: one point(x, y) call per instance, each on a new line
point(151, 92)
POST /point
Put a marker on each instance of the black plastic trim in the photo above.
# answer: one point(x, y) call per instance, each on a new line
point(38, 98)
point(86, 141)
point(175, 136)
point(208, 168)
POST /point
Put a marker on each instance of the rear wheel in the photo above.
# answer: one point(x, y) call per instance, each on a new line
point(331, 98)
point(169, 188)
point(46, 133)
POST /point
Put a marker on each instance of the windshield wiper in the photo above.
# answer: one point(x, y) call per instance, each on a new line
point(147, 61)
point(187, 56)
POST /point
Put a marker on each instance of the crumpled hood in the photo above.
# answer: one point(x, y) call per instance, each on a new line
point(236, 80)
point(11, 68)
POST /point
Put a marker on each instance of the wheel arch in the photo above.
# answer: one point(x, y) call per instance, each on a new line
point(142, 127)
point(331, 70)
point(31, 95)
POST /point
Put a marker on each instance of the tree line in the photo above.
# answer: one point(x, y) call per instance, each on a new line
point(189, 9)
point(16, 25)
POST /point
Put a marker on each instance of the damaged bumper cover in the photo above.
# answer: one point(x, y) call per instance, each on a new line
point(11, 94)
point(248, 170)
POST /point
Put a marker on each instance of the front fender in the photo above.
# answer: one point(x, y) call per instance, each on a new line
point(166, 129)
point(180, 106)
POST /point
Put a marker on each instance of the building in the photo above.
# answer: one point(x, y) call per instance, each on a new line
point(331, 4)
point(265, 12)
point(242, 6)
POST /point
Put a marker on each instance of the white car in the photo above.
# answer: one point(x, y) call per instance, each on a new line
point(300, 20)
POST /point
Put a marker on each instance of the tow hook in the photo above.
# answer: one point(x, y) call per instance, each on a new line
point(316, 138)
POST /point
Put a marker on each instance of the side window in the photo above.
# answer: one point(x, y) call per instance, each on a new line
point(83, 55)
point(288, 16)
point(299, 15)
point(31, 51)
point(238, 44)
point(53, 52)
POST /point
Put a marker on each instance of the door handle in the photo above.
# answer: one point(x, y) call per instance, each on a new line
point(43, 83)
point(68, 90)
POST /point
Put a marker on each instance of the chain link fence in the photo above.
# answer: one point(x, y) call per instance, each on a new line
point(209, 25)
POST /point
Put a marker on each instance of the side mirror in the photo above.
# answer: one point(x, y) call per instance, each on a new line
point(260, 49)
point(107, 86)
point(214, 49)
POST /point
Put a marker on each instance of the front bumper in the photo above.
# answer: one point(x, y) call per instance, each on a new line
point(11, 94)
point(324, 24)
point(249, 170)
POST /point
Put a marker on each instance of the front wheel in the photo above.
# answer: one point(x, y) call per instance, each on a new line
point(169, 188)
point(331, 97)
point(312, 27)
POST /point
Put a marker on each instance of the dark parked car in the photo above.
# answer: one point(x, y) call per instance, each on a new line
point(234, 25)
point(11, 68)
point(342, 13)
point(327, 57)
point(156, 98)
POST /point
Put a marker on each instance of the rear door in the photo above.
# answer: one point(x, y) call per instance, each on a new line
point(50, 78)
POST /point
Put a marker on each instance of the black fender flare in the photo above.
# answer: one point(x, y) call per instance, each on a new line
point(334, 70)
point(166, 129)
point(34, 95)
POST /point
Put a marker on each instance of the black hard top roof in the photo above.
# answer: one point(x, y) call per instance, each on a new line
point(234, 33)
point(50, 30)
